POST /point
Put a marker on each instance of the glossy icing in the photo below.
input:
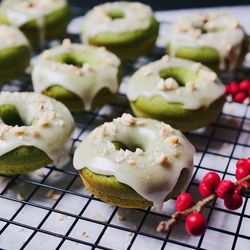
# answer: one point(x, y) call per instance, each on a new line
point(51, 131)
point(11, 37)
point(20, 12)
point(100, 70)
point(194, 95)
point(153, 170)
point(223, 33)
point(137, 16)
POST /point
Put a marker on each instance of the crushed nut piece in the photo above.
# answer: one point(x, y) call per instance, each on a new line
point(190, 85)
point(87, 67)
point(127, 119)
point(173, 140)
point(84, 234)
point(66, 43)
point(35, 133)
point(196, 67)
point(162, 159)
point(235, 24)
point(146, 71)
point(132, 163)
point(43, 122)
point(20, 130)
point(51, 194)
point(139, 151)
point(164, 131)
point(140, 123)
point(167, 84)
point(165, 58)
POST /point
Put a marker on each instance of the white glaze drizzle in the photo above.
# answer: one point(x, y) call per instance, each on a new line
point(51, 131)
point(99, 71)
point(194, 95)
point(11, 37)
point(227, 41)
point(153, 172)
point(20, 12)
point(136, 17)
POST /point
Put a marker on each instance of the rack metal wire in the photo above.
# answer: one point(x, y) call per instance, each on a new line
point(50, 208)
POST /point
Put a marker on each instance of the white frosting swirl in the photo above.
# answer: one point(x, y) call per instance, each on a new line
point(151, 171)
point(99, 70)
point(136, 16)
point(195, 94)
point(11, 37)
point(50, 132)
point(222, 32)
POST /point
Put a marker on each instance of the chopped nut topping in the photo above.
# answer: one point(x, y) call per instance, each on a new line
point(191, 85)
point(167, 84)
point(196, 33)
point(84, 234)
point(51, 194)
point(46, 55)
point(164, 131)
point(132, 163)
point(139, 151)
point(196, 67)
point(162, 159)
point(43, 122)
point(173, 140)
point(127, 119)
point(165, 58)
point(140, 122)
point(66, 43)
point(20, 130)
point(146, 71)
point(235, 24)
point(35, 133)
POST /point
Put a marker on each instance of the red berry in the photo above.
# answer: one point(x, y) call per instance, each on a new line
point(184, 201)
point(196, 224)
point(228, 89)
point(225, 189)
point(248, 163)
point(205, 190)
point(242, 187)
point(241, 172)
point(211, 179)
point(234, 202)
point(239, 97)
point(234, 88)
point(244, 85)
point(241, 162)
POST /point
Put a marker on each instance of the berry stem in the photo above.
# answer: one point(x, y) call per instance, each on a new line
point(164, 226)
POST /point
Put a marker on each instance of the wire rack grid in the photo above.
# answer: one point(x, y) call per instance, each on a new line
point(51, 209)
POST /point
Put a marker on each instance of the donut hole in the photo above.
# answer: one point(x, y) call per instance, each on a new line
point(131, 147)
point(115, 15)
point(10, 115)
point(70, 60)
point(179, 74)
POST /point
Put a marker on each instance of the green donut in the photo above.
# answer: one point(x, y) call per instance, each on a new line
point(126, 42)
point(134, 163)
point(81, 77)
point(23, 152)
point(178, 92)
point(215, 40)
point(15, 53)
point(51, 24)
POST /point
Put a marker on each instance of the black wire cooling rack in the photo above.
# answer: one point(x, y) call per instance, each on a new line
point(50, 208)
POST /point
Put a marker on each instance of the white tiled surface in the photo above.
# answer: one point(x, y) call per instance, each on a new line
point(86, 221)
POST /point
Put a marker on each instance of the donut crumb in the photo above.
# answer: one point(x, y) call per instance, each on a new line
point(132, 163)
point(84, 234)
point(120, 217)
point(20, 196)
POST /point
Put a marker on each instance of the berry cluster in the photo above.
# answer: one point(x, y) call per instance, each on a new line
point(240, 92)
point(210, 187)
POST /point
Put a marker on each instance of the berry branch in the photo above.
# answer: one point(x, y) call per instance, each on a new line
point(210, 188)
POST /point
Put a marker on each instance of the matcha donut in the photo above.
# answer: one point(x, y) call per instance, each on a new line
point(40, 20)
point(214, 39)
point(135, 162)
point(82, 77)
point(127, 29)
point(185, 94)
point(15, 52)
point(34, 131)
